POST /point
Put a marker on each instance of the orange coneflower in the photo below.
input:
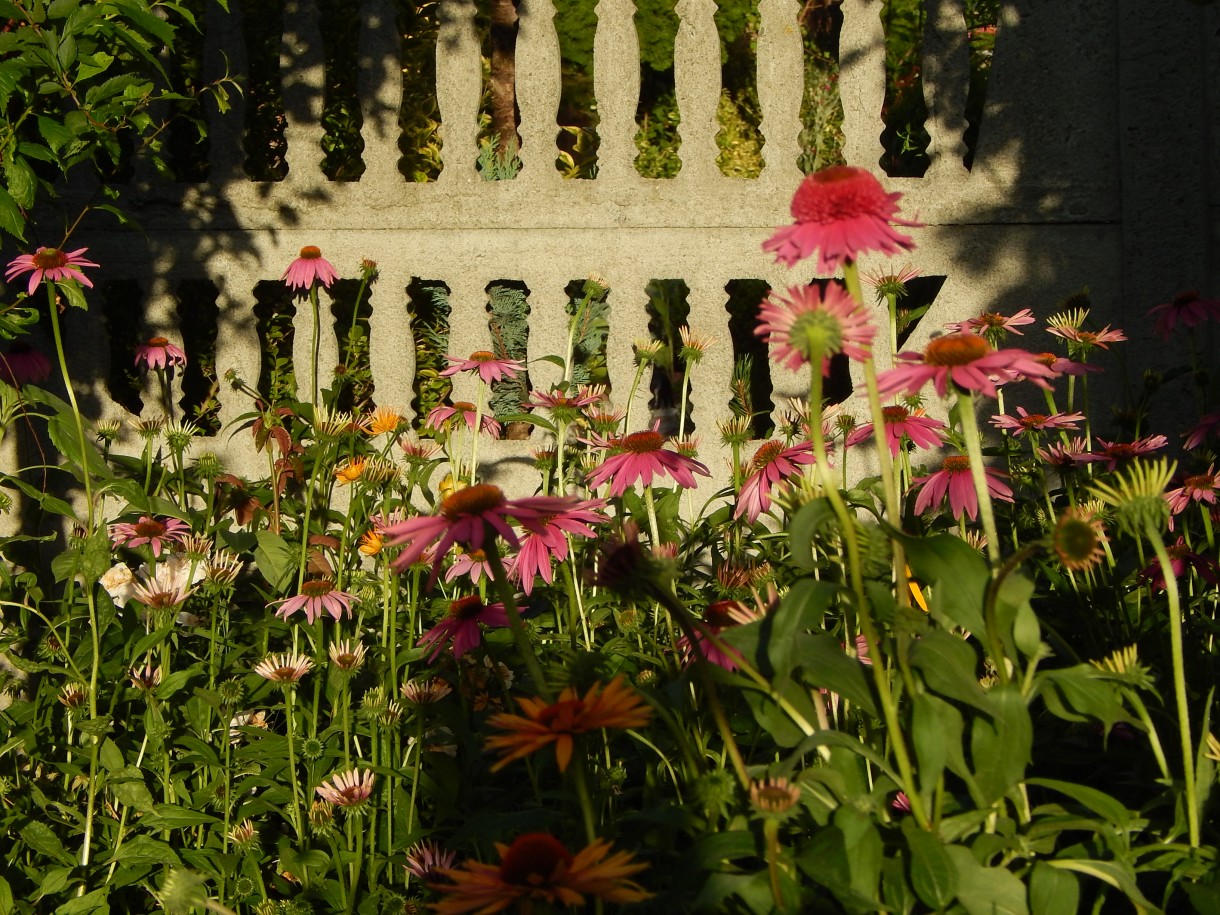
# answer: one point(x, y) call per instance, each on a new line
point(350, 472)
point(538, 868)
point(614, 705)
point(382, 420)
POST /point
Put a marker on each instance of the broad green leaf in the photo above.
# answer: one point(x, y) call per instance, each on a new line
point(986, 890)
point(19, 178)
point(146, 850)
point(933, 873)
point(111, 756)
point(275, 559)
point(1097, 801)
point(1081, 692)
point(87, 904)
point(1000, 745)
point(949, 666)
point(127, 786)
point(862, 843)
point(38, 836)
point(6, 898)
point(1053, 891)
point(823, 664)
point(1116, 874)
point(171, 816)
point(11, 220)
point(53, 881)
point(958, 576)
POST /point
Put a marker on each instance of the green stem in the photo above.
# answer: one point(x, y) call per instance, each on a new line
point(289, 727)
point(515, 625)
point(974, 451)
point(315, 344)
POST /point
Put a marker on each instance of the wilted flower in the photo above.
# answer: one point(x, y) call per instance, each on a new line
point(119, 582)
point(169, 583)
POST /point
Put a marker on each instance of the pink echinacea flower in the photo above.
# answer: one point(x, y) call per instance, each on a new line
point(1199, 487)
point(963, 361)
point(318, 596)
point(309, 268)
point(642, 458)
point(485, 365)
point(1036, 422)
point(840, 212)
point(159, 353)
point(149, 530)
point(462, 411)
point(829, 318)
point(1115, 453)
point(460, 626)
point(772, 463)
point(51, 264)
point(992, 324)
point(923, 431)
point(955, 481)
point(1187, 308)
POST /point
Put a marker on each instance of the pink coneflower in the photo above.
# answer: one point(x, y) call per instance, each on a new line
point(1202, 430)
point(1199, 487)
point(954, 480)
point(1064, 457)
point(1187, 308)
point(548, 541)
point(472, 564)
point(643, 457)
point(1180, 557)
point(318, 596)
point(829, 319)
point(347, 789)
point(964, 361)
point(426, 859)
point(23, 364)
point(1065, 366)
point(485, 365)
point(772, 462)
point(51, 264)
point(443, 417)
point(159, 353)
point(460, 626)
point(1085, 340)
point(149, 530)
point(1036, 422)
point(993, 325)
point(283, 668)
point(922, 430)
point(718, 616)
point(840, 212)
point(564, 407)
point(311, 267)
point(466, 516)
point(1114, 453)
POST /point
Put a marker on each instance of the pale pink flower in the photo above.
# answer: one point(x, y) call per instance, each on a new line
point(149, 531)
point(311, 267)
point(318, 596)
point(283, 668)
point(1036, 422)
point(840, 212)
point(962, 361)
point(168, 583)
point(564, 407)
point(922, 430)
point(23, 364)
point(1087, 339)
point(1064, 457)
point(159, 353)
point(955, 480)
point(347, 789)
point(462, 411)
point(1114, 453)
point(51, 264)
point(772, 462)
point(992, 324)
point(485, 365)
point(472, 564)
point(1187, 308)
point(1199, 487)
point(644, 457)
point(790, 324)
point(426, 860)
point(460, 626)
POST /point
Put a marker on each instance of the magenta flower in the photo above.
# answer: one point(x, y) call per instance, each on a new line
point(992, 324)
point(840, 212)
point(807, 317)
point(1180, 557)
point(772, 463)
point(1202, 430)
point(1085, 340)
point(564, 407)
point(486, 366)
point(954, 480)
point(923, 431)
point(1064, 457)
point(548, 541)
point(1114, 453)
point(426, 860)
point(472, 564)
point(159, 353)
point(318, 596)
point(461, 626)
point(1199, 487)
point(462, 411)
point(643, 457)
point(51, 264)
point(1036, 422)
point(1065, 366)
point(719, 615)
point(311, 267)
point(149, 530)
point(1187, 308)
point(964, 361)
point(23, 364)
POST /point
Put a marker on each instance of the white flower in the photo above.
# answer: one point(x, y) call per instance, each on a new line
point(119, 583)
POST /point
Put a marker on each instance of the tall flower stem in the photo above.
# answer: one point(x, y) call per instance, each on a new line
point(289, 728)
point(515, 624)
point(474, 440)
point(315, 344)
point(974, 451)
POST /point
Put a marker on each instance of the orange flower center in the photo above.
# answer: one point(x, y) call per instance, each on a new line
point(1033, 420)
point(477, 556)
point(473, 500)
point(150, 528)
point(533, 859)
point(1178, 551)
point(466, 608)
point(1047, 359)
point(991, 319)
point(1121, 450)
point(562, 715)
point(765, 455)
point(463, 406)
point(482, 356)
point(643, 442)
point(1201, 481)
point(956, 349)
point(895, 414)
point(956, 463)
point(161, 342)
point(318, 587)
point(50, 258)
point(311, 252)
point(1087, 337)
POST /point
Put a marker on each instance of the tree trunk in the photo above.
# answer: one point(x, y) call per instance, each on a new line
point(504, 73)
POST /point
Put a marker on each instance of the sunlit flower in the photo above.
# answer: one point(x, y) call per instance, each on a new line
point(889, 282)
point(1082, 342)
point(993, 325)
point(159, 353)
point(811, 319)
point(309, 268)
point(962, 361)
point(157, 534)
point(460, 626)
point(1186, 308)
point(347, 789)
point(1065, 366)
point(772, 462)
point(954, 480)
point(548, 539)
point(443, 417)
point(318, 596)
point(717, 616)
point(900, 422)
point(537, 868)
point(840, 212)
point(51, 264)
point(693, 347)
point(383, 420)
point(1115, 453)
point(23, 364)
point(418, 451)
point(642, 458)
point(371, 542)
point(347, 655)
point(169, 583)
point(485, 365)
point(426, 859)
point(613, 705)
point(284, 668)
point(1036, 422)
point(119, 582)
point(350, 471)
point(564, 407)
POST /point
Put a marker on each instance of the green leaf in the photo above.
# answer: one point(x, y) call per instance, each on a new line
point(803, 528)
point(127, 786)
point(824, 664)
point(86, 905)
point(11, 220)
point(1097, 801)
point(1000, 747)
point(146, 850)
point(55, 133)
point(111, 756)
point(75, 294)
point(1080, 692)
point(958, 576)
point(275, 559)
point(174, 682)
point(1052, 891)
point(986, 890)
point(949, 666)
point(92, 65)
point(171, 816)
point(38, 836)
point(933, 873)
point(53, 881)
point(6, 898)
point(1114, 873)
point(20, 180)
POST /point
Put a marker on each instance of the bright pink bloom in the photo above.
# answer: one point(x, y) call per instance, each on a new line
point(1036, 422)
point(1181, 556)
point(461, 626)
point(149, 530)
point(548, 540)
point(991, 324)
point(922, 430)
point(643, 457)
point(486, 366)
point(51, 264)
point(318, 596)
point(840, 212)
point(719, 615)
point(1200, 432)
point(964, 361)
point(159, 353)
point(1187, 308)
point(789, 324)
point(311, 267)
point(462, 411)
point(1199, 487)
point(1088, 338)
point(955, 481)
point(473, 564)
point(23, 364)
point(1114, 453)
point(772, 463)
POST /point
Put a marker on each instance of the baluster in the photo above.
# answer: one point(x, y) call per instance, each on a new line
point(380, 90)
point(459, 83)
point(539, 83)
point(946, 76)
point(616, 84)
point(697, 86)
point(225, 51)
point(862, 81)
point(237, 350)
point(628, 323)
point(468, 331)
point(713, 374)
point(548, 322)
point(391, 342)
point(302, 74)
point(781, 81)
